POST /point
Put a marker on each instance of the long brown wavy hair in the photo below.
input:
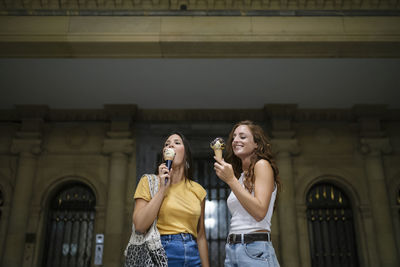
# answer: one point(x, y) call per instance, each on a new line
point(263, 151)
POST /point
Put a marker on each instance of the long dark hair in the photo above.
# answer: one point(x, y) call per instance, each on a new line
point(188, 161)
point(263, 151)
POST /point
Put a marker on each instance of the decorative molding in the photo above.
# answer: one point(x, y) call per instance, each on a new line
point(31, 146)
point(124, 146)
point(289, 146)
point(369, 118)
point(226, 115)
point(281, 116)
point(324, 136)
point(375, 146)
point(76, 137)
point(115, 7)
point(200, 115)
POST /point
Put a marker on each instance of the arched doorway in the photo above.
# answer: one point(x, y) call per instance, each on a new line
point(331, 227)
point(69, 227)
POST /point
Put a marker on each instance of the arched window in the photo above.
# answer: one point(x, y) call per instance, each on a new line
point(331, 227)
point(70, 223)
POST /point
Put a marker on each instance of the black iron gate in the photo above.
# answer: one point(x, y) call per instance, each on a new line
point(331, 228)
point(216, 213)
point(70, 223)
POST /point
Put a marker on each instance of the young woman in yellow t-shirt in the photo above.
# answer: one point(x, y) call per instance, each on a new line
point(179, 208)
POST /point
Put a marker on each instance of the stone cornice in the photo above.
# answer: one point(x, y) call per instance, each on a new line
point(164, 37)
point(226, 115)
point(126, 7)
point(199, 115)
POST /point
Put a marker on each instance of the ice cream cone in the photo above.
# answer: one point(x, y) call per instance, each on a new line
point(218, 144)
point(218, 154)
point(169, 155)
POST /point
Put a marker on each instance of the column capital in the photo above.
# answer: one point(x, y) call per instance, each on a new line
point(287, 145)
point(31, 146)
point(281, 116)
point(124, 146)
point(375, 146)
point(369, 119)
point(120, 117)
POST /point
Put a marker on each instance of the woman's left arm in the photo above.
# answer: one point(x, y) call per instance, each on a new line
point(202, 239)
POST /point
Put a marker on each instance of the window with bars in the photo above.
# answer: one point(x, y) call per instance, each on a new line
point(216, 211)
point(70, 224)
point(331, 227)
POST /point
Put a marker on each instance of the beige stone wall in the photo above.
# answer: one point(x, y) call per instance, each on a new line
point(202, 36)
point(311, 146)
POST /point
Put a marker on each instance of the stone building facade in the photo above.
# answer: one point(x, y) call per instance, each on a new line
point(67, 175)
point(349, 154)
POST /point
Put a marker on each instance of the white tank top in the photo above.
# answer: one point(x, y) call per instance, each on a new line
point(242, 222)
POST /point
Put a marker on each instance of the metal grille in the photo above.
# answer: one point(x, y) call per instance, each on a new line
point(216, 211)
point(70, 227)
point(331, 228)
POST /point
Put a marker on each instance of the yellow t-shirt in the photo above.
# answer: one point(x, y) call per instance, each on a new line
point(181, 208)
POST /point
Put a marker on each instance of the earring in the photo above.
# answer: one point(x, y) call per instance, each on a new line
point(187, 165)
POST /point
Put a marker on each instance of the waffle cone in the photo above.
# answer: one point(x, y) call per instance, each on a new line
point(218, 154)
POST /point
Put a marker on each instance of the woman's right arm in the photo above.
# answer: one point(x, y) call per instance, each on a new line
point(145, 212)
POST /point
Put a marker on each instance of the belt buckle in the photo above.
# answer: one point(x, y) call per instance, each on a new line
point(231, 239)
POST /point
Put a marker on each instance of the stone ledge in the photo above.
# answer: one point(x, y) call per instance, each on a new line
point(216, 37)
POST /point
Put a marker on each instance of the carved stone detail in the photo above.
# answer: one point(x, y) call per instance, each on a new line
point(324, 136)
point(76, 137)
point(32, 146)
point(375, 146)
point(118, 146)
point(290, 146)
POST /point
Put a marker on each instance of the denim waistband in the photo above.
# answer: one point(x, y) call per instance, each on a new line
point(180, 236)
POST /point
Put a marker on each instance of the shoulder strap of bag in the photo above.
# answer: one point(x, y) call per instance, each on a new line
point(153, 184)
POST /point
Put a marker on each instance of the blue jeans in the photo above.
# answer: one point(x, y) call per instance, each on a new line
point(254, 254)
point(181, 250)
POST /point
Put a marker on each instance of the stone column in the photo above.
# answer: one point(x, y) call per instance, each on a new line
point(374, 144)
point(286, 206)
point(27, 144)
point(284, 146)
point(304, 244)
point(373, 148)
point(119, 146)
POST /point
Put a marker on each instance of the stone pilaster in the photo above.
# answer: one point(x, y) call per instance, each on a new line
point(302, 222)
point(27, 144)
point(284, 146)
point(373, 148)
point(118, 145)
point(373, 144)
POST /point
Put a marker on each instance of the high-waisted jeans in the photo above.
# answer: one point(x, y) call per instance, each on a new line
point(181, 250)
point(254, 254)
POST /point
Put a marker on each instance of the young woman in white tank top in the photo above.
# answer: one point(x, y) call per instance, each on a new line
point(252, 175)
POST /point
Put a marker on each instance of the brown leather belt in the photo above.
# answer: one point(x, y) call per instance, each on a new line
point(248, 238)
